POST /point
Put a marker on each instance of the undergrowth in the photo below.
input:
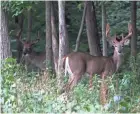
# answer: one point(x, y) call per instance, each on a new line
point(32, 92)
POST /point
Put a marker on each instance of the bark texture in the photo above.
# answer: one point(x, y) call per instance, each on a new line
point(133, 22)
point(29, 24)
point(19, 44)
point(63, 42)
point(91, 28)
point(5, 51)
point(104, 30)
point(55, 46)
point(96, 29)
point(48, 36)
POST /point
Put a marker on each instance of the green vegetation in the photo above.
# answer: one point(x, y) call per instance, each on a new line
point(32, 92)
point(118, 15)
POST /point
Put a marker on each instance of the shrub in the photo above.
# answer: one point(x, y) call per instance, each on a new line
point(27, 92)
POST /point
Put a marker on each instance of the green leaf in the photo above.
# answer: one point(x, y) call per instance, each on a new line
point(79, 6)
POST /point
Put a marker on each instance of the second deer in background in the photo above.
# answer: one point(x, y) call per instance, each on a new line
point(30, 56)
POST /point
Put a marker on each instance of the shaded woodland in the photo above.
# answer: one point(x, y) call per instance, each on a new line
point(70, 56)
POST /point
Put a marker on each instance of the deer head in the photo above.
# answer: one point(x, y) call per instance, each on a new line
point(116, 41)
point(27, 45)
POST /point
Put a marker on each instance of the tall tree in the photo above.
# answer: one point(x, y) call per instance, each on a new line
point(4, 39)
point(91, 27)
point(96, 28)
point(29, 24)
point(19, 44)
point(81, 28)
point(48, 36)
point(63, 42)
point(104, 29)
point(55, 46)
point(134, 35)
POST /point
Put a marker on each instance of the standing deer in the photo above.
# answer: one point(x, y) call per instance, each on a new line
point(30, 56)
point(78, 63)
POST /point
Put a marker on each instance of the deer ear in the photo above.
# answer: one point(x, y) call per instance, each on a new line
point(126, 41)
point(111, 42)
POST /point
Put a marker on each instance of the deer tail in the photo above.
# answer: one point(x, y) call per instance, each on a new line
point(67, 67)
point(64, 64)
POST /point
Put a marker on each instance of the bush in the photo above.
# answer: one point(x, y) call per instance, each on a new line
point(27, 92)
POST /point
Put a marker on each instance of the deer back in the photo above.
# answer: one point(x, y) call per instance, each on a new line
point(82, 62)
point(37, 60)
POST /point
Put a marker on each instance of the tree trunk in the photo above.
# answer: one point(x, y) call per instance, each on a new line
point(96, 29)
point(19, 51)
point(55, 46)
point(91, 28)
point(81, 28)
point(103, 86)
point(63, 42)
point(19, 44)
point(104, 30)
point(5, 51)
point(48, 37)
point(134, 35)
point(29, 24)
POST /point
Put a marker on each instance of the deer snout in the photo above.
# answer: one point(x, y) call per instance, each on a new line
point(27, 51)
point(24, 53)
point(120, 51)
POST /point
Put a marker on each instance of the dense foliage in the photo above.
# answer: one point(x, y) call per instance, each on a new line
point(118, 15)
point(31, 92)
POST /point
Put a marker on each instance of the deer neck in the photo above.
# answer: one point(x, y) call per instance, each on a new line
point(31, 55)
point(117, 58)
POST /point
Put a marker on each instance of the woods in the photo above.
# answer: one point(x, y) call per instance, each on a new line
point(70, 56)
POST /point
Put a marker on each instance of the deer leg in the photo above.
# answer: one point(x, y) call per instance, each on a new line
point(73, 81)
point(70, 82)
point(103, 90)
point(90, 81)
point(68, 86)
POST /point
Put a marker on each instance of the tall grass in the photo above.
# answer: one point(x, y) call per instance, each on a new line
point(32, 92)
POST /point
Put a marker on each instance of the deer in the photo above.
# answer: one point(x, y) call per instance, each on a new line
point(29, 55)
point(76, 64)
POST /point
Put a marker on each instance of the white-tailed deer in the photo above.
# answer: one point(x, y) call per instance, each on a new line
point(30, 56)
point(78, 63)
